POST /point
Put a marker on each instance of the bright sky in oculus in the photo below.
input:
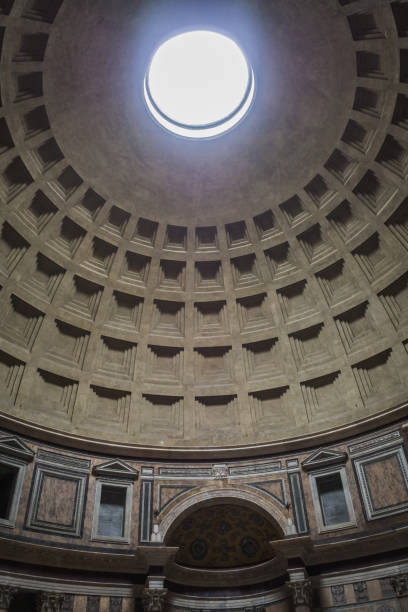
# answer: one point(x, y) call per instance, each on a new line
point(199, 78)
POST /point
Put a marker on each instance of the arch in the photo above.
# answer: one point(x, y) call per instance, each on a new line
point(259, 501)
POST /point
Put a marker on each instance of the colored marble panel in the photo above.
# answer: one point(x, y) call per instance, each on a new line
point(57, 501)
point(386, 483)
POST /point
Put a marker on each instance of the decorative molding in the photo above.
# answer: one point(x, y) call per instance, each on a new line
point(375, 444)
point(35, 523)
point(360, 464)
point(7, 593)
point(154, 600)
point(117, 469)
point(11, 445)
point(55, 459)
point(322, 458)
point(219, 471)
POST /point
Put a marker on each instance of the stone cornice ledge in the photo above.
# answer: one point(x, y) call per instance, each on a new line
point(239, 576)
point(312, 552)
point(210, 453)
point(137, 561)
point(190, 602)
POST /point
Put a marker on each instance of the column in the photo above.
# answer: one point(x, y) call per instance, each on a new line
point(400, 586)
point(50, 602)
point(300, 587)
point(7, 593)
point(154, 594)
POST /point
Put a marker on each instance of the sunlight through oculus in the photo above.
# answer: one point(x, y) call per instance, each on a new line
point(199, 84)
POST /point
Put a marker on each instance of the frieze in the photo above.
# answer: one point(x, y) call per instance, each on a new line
point(186, 472)
point(378, 443)
point(75, 463)
point(258, 468)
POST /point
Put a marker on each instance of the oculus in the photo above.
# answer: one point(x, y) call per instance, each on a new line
point(199, 84)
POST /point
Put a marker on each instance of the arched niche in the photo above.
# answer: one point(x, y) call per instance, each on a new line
point(241, 522)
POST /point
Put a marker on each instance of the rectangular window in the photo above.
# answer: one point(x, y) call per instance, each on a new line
point(113, 507)
point(12, 472)
point(112, 512)
point(8, 482)
point(332, 499)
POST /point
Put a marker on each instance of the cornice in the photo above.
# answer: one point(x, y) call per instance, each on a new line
point(105, 447)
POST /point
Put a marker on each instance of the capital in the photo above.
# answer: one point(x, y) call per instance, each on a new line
point(154, 600)
point(301, 592)
point(7, 593)
point(50, 602)
point(400, 584)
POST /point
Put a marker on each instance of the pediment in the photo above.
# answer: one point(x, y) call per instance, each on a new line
point(116, 468)
point(323, 457)
point(11, 445)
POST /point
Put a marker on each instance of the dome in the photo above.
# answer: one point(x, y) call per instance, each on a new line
point(221, 295)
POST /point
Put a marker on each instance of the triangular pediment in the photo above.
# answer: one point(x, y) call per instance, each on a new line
point(116, 468)
point(322, 457)
point(11, 445)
